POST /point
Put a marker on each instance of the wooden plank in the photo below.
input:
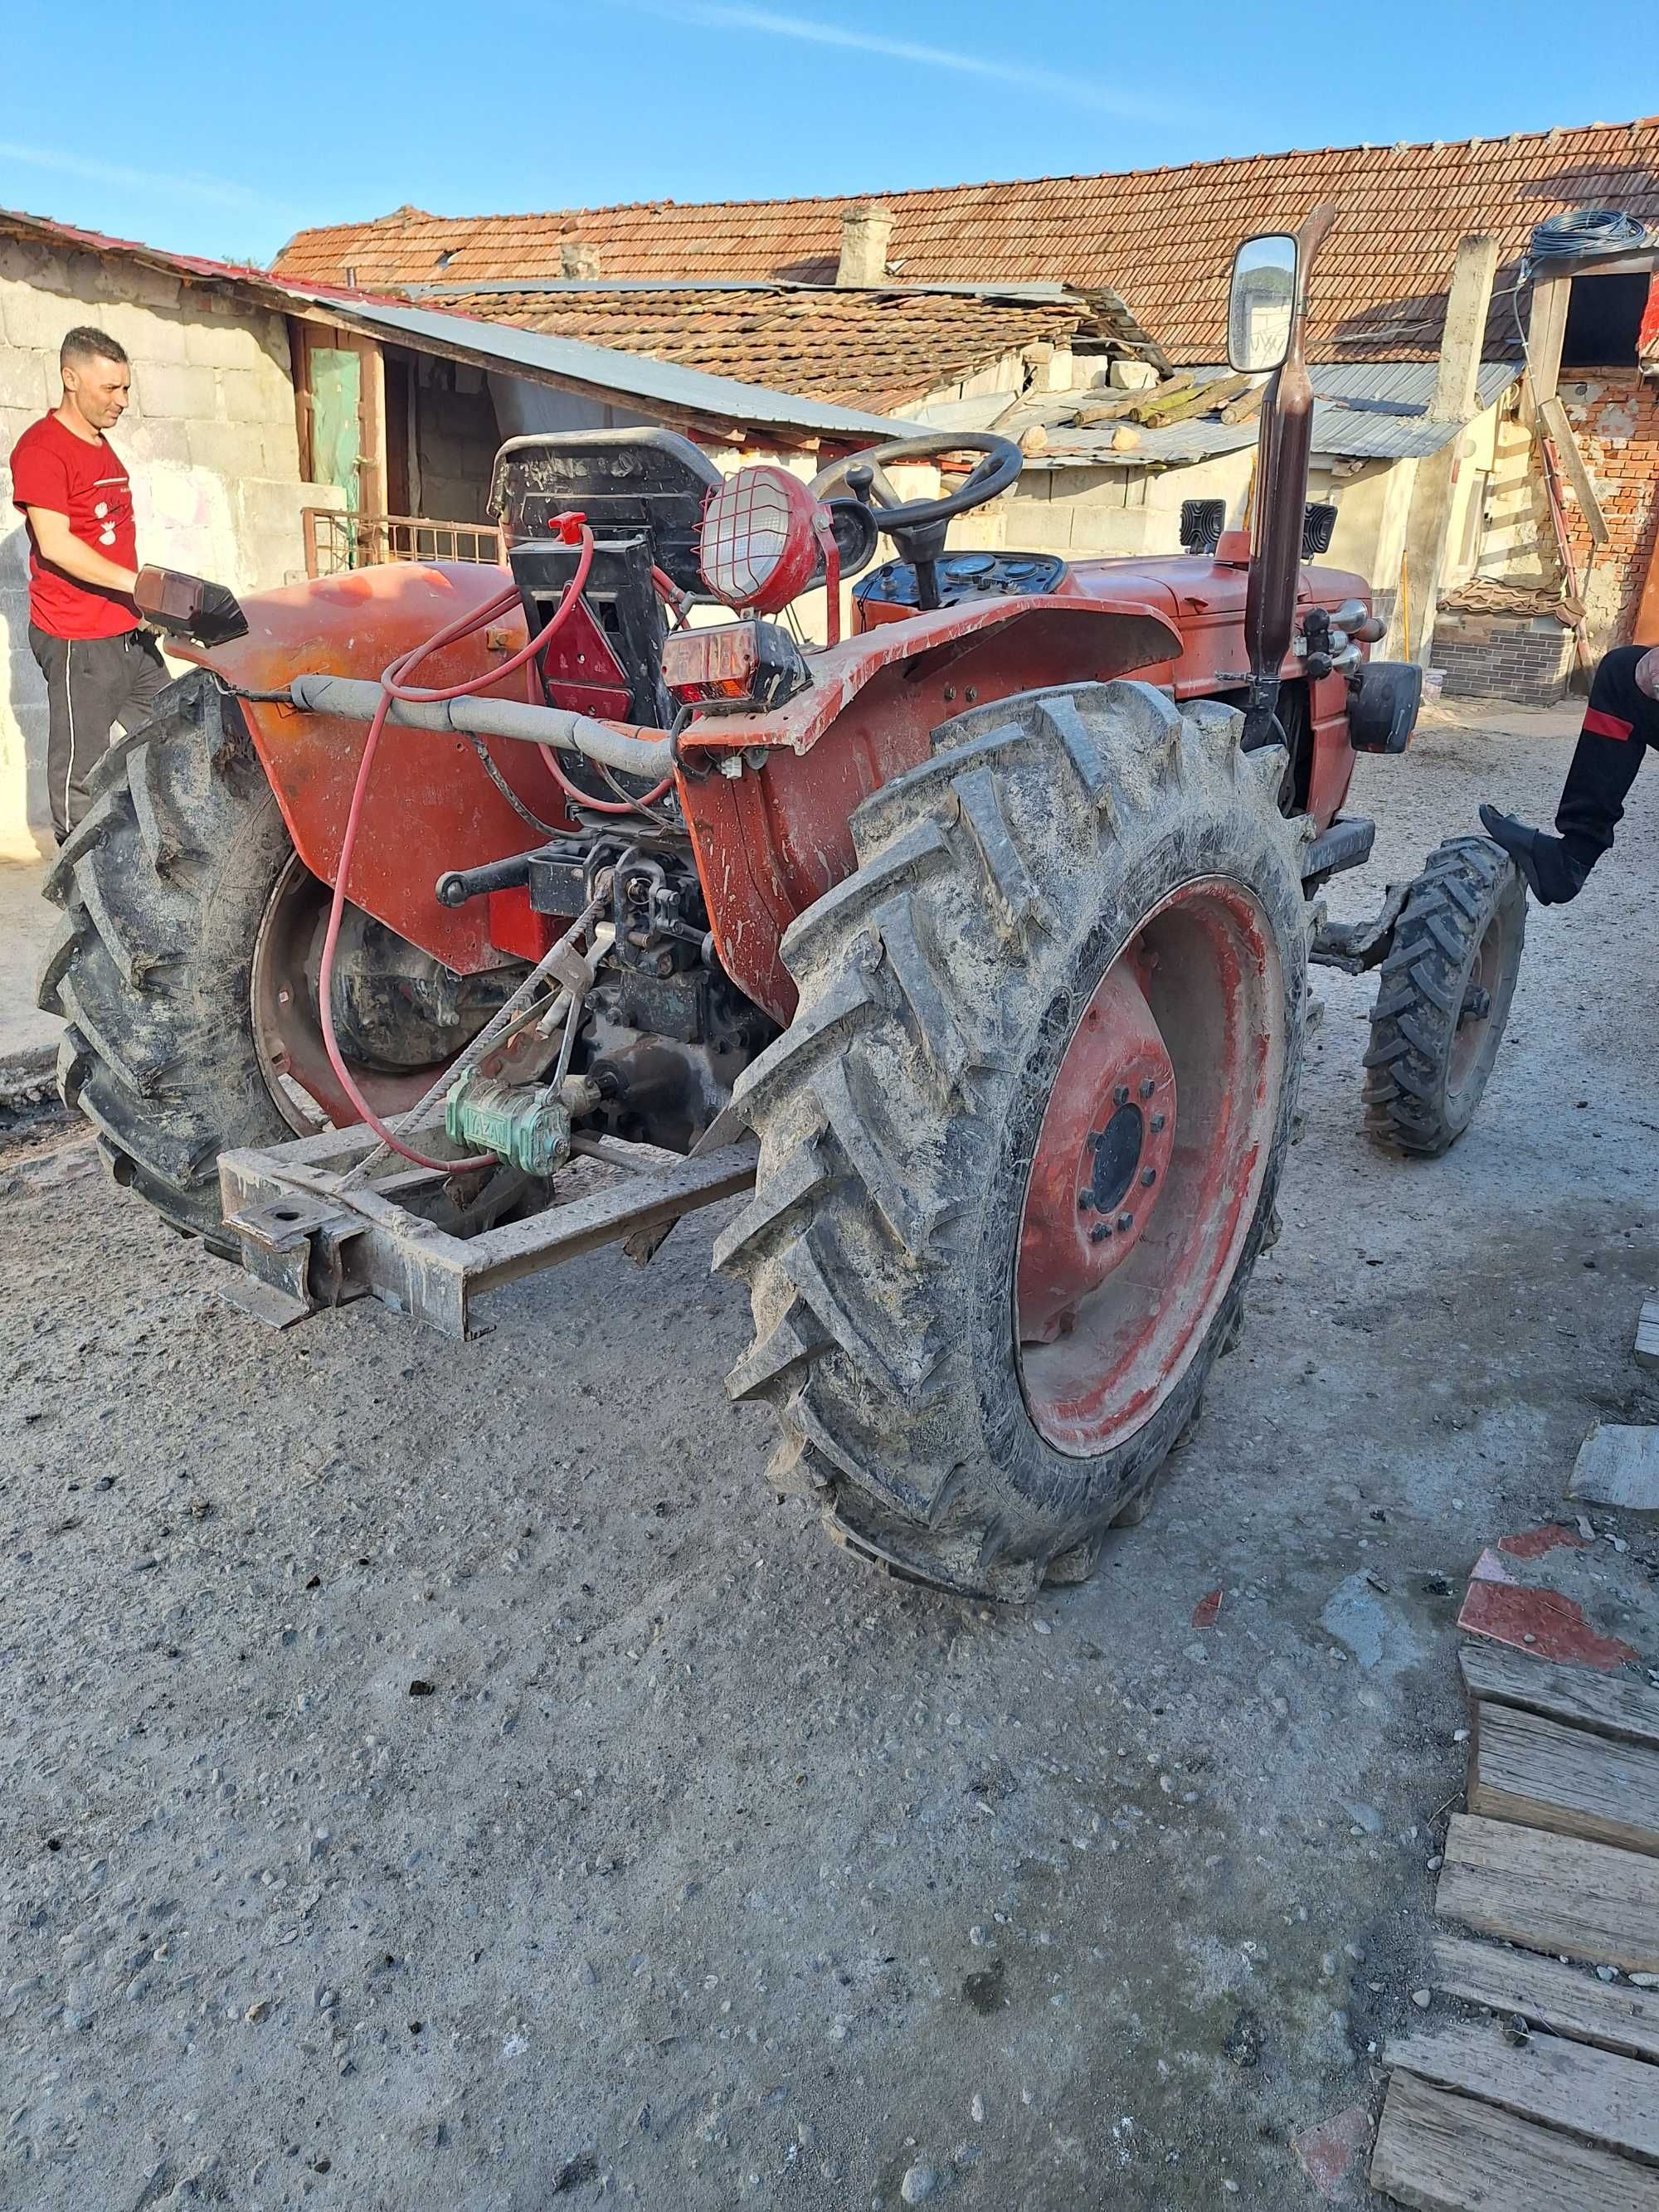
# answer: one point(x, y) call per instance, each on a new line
point(1543, 1775)
point(1618, 1464)
point(1610, 1706)
point(1546, 326)
point(1552, 419)
point(1567, 2000)
point(1647, 1335)
point(1593, 2094)
point(1438, 2153)
point(1552, 1893)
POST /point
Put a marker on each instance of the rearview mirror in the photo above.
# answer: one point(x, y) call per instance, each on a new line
point(1260, 303)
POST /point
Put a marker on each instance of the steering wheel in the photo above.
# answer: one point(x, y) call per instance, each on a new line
point(917, 526)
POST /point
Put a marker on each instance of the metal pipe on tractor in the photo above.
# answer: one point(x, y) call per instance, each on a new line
point(358, 701)
point(712, 914)
point(1267, 321)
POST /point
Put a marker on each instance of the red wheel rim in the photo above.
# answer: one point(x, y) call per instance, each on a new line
point(287, 1035)
point(1148, 1166)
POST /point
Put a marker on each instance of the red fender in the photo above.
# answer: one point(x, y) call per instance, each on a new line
point(770, 841)
point(431, 806)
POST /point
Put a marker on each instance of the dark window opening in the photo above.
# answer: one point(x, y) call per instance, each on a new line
point(1604, 317)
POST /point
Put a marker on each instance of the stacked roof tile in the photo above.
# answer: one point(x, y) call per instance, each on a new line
point(1161, 238)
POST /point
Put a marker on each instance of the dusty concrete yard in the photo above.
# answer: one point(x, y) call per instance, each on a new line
point(712, 1870)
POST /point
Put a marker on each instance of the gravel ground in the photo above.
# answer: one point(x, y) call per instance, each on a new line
point(442, 1775)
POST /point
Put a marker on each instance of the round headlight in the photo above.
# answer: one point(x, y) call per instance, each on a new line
point(760, 540)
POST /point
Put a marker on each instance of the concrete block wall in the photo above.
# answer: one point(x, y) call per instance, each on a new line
point(1503, 657)
point(456, 437)
point(210, 439)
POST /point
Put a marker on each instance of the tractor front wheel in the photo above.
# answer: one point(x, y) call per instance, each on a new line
point(1020, 1146)
point(1445, 997)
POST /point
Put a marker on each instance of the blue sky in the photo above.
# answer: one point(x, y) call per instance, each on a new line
point(222, 131)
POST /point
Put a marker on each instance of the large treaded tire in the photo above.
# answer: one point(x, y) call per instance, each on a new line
point(940, 986)
point(1417, 1101)
point(164, 885)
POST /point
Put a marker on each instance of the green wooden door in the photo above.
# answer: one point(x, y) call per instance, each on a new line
point(336, 423)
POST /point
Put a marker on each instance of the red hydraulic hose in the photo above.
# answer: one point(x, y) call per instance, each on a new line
point(395, 685)
point(668, 591)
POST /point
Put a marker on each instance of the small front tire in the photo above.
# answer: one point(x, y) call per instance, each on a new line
point(1444, 1000)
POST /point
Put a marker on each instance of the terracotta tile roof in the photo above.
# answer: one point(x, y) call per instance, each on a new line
point(1161, 238)
point(881, 351)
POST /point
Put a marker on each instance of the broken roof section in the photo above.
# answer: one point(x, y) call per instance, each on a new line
point(1162, 239)
point(688, 399)
point(880, 351)
point(1363, 411)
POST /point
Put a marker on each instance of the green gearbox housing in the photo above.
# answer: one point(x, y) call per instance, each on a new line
point(528, 1128)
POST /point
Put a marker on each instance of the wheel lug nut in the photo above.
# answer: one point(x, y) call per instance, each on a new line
point(1101, 1231)
point(1148, 1177)
point(1147, 1087)
point(1126, 1221)
point(1156, 1125)
point(1085, 1201)
point(1121, 1096)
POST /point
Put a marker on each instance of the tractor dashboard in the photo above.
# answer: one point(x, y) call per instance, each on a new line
point(964, 576)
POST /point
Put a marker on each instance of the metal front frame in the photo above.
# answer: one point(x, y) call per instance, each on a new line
point(311, 1237)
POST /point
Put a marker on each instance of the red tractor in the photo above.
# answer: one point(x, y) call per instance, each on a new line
point(976, 944)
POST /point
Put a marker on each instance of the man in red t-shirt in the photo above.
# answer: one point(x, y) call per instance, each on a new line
point(86, 626)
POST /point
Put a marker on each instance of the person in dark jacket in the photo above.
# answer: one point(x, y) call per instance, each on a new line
point(1621, 723)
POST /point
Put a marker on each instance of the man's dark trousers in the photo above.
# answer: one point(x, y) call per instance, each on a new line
point(92, 683)
point(1621, 723)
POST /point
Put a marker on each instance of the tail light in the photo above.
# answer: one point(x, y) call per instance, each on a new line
point(734, 667)
point(761, 539)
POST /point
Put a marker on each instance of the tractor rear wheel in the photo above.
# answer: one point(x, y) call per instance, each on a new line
point(1444, 997)
point(185, 970)
point(1020, 1146)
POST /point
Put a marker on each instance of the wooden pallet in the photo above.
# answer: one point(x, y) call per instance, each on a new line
point(1551, 2103)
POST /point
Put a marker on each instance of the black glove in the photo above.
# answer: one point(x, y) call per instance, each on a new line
point(1553, 873)
point(188, 606)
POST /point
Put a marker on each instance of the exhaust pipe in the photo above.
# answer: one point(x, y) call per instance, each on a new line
point(1281, 493)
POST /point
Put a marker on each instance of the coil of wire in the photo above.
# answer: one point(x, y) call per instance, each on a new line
point(1585, 234)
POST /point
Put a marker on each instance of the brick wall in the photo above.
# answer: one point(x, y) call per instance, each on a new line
point(210, 438)
point(1615, 415)
point(1502, 657)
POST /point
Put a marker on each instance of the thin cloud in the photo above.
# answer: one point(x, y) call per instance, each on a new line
point(1078, 92)
point(215, 191)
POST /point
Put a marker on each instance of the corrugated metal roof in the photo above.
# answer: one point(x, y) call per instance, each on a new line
point(630, 375)
point(1363, 411)
point(1404, 387)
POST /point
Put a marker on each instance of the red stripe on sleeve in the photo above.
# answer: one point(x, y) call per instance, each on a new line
point(1599, 724)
